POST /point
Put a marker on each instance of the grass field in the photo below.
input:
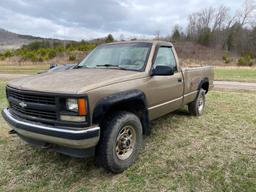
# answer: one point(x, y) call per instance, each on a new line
point(236, 74)
point(23, 69)
point(215, 152)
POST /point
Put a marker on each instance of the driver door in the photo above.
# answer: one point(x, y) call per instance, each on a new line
point(166, 92)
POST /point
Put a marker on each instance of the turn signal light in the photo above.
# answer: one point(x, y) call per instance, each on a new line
point(82, 107)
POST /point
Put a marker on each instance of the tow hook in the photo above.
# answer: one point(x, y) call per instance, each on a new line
point(11, 132)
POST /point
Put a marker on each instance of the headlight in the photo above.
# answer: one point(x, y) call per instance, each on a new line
point(77, 105)
point(72, 105)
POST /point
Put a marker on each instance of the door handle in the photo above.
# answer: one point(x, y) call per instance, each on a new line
point(179, 80)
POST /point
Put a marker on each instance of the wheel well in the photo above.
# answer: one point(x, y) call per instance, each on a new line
point(134, 106)
point(205, 86)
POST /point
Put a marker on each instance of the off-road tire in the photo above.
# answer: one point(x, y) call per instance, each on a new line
point(197, 106)
point(106, 153)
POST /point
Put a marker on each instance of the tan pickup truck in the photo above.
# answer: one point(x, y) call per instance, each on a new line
point(103, 105)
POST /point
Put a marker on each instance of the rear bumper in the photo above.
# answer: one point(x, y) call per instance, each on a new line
point(79, 138)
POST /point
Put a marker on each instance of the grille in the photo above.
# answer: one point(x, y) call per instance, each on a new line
point(34, 102)
point(33, 112)
point(26, 97)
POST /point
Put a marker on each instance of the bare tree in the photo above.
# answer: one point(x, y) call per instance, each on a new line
point(216, 27)
point(200, 20)
point(205, 18)
point(246, 12)
point(220, 18)
point(176, 33)
point(200, 25)
point(253, 15)
point(157, 35)
point(231, 20)
point(191, 29)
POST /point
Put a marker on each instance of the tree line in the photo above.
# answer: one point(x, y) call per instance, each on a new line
point(218, 27)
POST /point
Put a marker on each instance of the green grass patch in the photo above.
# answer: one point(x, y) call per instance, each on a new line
point(236, 74)
point(23, 69)
point(215, 152)
point(2, 141)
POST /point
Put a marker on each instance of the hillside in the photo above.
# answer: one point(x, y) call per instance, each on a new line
point(191, 53)
point(9, 40)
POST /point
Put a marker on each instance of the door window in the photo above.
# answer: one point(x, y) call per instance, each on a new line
point(165, 57)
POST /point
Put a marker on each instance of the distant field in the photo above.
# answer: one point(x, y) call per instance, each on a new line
point(246, 74)
point(215, 152)
point(23, 69)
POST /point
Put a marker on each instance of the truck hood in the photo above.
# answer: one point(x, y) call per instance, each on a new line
point(74, 81)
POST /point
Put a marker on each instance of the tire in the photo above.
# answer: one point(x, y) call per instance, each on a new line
point(115, 140)
point(197, 106)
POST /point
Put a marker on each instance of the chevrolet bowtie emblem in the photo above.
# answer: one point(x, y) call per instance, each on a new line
point(22, 104)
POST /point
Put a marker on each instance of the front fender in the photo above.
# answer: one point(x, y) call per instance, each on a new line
point(123, 101)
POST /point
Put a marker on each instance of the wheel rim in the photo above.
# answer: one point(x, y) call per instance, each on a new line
point(125, 142)
point(201, 104)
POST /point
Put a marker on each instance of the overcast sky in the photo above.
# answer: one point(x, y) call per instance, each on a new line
point(84, 19)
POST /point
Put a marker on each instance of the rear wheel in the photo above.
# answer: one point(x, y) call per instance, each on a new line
point(197, 106)
point(120, 142)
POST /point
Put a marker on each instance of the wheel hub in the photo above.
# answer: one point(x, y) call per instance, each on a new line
point(125, 142)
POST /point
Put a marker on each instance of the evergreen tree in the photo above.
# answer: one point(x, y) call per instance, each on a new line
point(109, 38)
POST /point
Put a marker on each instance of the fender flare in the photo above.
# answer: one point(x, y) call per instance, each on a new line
point(202, 81)
point(104, 105)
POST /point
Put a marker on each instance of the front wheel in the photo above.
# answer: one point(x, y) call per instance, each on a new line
point(197, 106)
point(120, 142)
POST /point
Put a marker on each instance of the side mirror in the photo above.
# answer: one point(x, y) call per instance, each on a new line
point(162, 70)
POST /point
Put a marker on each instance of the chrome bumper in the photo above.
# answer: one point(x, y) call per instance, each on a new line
point(82, 138)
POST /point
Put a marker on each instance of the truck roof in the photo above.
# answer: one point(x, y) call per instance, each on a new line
point(142, 41)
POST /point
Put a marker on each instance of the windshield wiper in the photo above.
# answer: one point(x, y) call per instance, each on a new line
point(111, 66)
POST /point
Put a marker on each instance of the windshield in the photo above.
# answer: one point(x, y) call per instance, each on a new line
point(129, 56)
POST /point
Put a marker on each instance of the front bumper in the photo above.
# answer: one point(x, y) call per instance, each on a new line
point(75, 138)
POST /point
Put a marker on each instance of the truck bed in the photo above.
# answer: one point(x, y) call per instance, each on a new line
point(192, 78)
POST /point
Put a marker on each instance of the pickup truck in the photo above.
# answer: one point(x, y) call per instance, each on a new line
point(103, 106)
